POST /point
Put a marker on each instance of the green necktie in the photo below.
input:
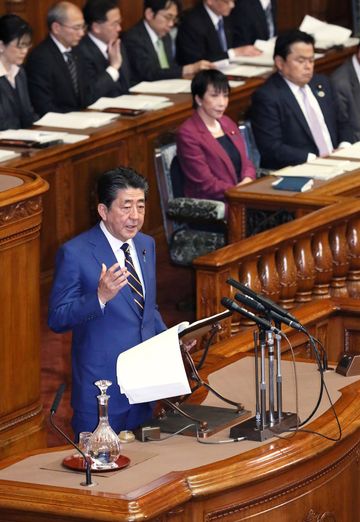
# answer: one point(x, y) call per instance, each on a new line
point(164, 63)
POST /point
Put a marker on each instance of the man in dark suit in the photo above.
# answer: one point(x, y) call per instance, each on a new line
point(150, 47)
point(206, 33)
point(293, 114)
point(54, 68)
point(253, 20)
point(107, 67)
point(346, 84)
point(109, 306)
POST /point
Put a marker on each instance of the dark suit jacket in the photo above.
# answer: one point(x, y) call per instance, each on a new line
point(98, 337)
point(346, 88)
point(16, 111)
point(101, 83)
point(249, 22)
point(50, 83)
point(197, 38)
point(208, 169)
point(143, 58)
point(281, 131)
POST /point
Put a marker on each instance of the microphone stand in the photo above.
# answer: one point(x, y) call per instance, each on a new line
point(88, 482)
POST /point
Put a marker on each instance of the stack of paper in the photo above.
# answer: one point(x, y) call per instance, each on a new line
point(6, 155)
point(153, 370)
point(173, 86)
point(244, 71)
point(323, 172)
point(348, 152)
point(326, 35)
point(75, 120)
point(41, 136)
point(127, 101)
point(345, 165)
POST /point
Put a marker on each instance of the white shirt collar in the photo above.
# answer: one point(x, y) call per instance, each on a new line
point(11, 74)
point(153, 36)
point(99, 43)
point(115, 243)
point(214, 17)
point(60, 46)
point(265, 3)
point(356, 65)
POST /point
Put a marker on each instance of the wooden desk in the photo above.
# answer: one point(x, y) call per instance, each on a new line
point(261, 195)
point(304, 478)
point(71, 170)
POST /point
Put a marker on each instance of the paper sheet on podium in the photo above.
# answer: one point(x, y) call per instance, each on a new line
point(154, 369)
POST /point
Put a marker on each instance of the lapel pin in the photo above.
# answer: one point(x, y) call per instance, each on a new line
point(144, 254)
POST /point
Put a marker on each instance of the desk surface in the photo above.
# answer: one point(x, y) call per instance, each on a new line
point(184, 467)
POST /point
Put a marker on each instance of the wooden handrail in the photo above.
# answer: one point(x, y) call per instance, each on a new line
point(313, 257)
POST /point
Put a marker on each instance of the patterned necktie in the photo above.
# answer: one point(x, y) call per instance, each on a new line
point(160, 49)
point(70, 62)
point(270, 20)
point(133, 278)
point(314, 125)
point(221, 35)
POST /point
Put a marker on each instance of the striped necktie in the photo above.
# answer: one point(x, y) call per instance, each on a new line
point(70, 62)
point(133, 279)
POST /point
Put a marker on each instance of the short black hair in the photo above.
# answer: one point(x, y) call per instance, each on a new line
point(203, 79)
point(117, 179)
point(12, 27)
point(157, 5)
point(285, 40)
point(96, 10)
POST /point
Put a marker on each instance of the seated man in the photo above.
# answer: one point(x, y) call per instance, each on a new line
point(253, 20)
point(107, 67)
point(55, 71)
point(346, 85)
point(293, 114)
point(150, 47)
point(206, 32)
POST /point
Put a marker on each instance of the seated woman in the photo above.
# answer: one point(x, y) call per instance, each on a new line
point(210, 148)
point(16, 110)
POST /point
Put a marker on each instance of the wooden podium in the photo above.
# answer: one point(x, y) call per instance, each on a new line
point(21, 416)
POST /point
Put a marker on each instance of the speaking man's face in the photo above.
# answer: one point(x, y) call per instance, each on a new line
point(298, 67)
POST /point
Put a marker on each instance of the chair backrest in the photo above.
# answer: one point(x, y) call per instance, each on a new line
point(164, 156)
point(251, 149)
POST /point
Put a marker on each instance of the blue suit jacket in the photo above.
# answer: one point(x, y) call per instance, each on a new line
point(100, 336)
point(281, 132)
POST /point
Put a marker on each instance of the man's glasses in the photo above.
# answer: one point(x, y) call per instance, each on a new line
point(79, 27)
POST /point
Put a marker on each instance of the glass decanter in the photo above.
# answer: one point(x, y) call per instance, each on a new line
point(104, 444)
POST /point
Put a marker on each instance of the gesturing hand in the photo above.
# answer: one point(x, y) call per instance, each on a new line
point(111, 281)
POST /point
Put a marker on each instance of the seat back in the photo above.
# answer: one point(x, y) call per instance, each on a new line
point(165, 153)
point(252, 151)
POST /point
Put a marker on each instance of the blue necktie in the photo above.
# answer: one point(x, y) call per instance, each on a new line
point(221, 35)
point(133, 279)
point(270, 21)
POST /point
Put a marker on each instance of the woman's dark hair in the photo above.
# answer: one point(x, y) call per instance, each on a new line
point(203, 79)
point(117, 179)
point(12, 27)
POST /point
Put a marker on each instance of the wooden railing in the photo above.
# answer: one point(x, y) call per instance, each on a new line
point(313, 257)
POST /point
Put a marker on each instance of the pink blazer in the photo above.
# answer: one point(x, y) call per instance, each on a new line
point(208, 170)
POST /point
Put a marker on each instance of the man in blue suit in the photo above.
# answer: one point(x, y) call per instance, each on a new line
point(293, 114)
point(94, 296)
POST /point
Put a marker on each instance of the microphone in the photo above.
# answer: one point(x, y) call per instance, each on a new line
point(265, 301)
point(53, 410)
point(249, 301)
point(230, 305)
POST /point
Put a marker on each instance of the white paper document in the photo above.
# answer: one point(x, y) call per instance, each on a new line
point(76, 120)
point(352, 152)
point(129, 101)
point(344, 164)
point(6, 155)
point(41, 136)
point(154, 369)
point(322, 172)
point(326, 35)
point(172, 86)
point(245, 71)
